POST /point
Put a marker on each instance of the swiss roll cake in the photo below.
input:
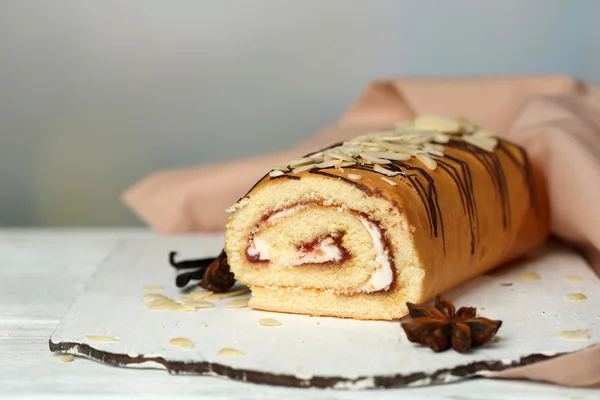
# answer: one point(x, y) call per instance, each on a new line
point(398, 215)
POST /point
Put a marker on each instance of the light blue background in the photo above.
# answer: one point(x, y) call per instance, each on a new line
point(94, 95)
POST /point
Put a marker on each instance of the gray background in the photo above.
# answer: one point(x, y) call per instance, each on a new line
point(95, 95)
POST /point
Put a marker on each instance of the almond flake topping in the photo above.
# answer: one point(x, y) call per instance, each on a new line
point(424, 138)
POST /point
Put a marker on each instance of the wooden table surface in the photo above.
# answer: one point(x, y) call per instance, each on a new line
point(42, 273)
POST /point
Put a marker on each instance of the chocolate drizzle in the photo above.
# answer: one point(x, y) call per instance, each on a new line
point(464, 182)
point(460, 172)
point(493, 166)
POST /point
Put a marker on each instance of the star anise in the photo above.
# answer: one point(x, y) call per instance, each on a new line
point(440, 327)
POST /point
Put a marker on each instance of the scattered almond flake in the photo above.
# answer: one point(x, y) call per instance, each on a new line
point(347, 164)
point(573, 278)
point(434, 149)
point(184, 308)
point(574, 335)
point(229, 352)
point(101, 339)
point(303, 168)
point(529, 276)
point(204, 325)
point(184, 299)
point(232, 293)
point(482, 133)
point(436, 123)
point(165, 305)
point(390, 155)
point(598, 316)
point(202, 304)
point(383, 178)
point(368, 157)
point(441, 138)
point(301, 161)
point(398, 148)
point(200, 295)
point(276, 173)
point(417, 138)
point(153, 298)
point(385, 171)
point(182, 342)
point(428, 161)
point(340, 156)
point(329, 164)
point(354, 176)
point(576, 296)
point(66, 358)
point(280, 168)
point(155, 287)
point(487, 144)
point(269, 322)
point(240, 303)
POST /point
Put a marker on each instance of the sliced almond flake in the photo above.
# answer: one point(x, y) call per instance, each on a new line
point(165, 305)
point(573, 278)
point(319, 159)
point(279, 168)
point(152, 298)
point(574, 335)
point(417, 138)
point(329, 164)
point(202, 304)
point(304, 168)
point(392, 138)
point(385, 171)
point(369, 157)
point(435, 147)
point(436, 123)
point(204, 325)
point(389, 155)
point(431, 152)
point(441, 138)
point(229, 352)
point(383, 178)
point(184, 343)
point(347, 164)
point(487, 144)
point(276, 173)
point(340, 156)
point(200, 295)
point(317, 154)
point(398, 148)
point(232, 293)
point(428, 161)
point(354, 176)
point(576, 296)
point(66, 358)
point(184, 308)
point(269, 322)
point(301, 161)
point(483, 133)
point(240, 303)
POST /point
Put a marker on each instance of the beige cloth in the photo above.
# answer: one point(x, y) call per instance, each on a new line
point(556, 118)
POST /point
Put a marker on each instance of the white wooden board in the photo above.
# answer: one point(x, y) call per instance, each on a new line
point(316, 351)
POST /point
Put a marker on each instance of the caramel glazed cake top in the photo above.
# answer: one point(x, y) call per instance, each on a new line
point(405, 153)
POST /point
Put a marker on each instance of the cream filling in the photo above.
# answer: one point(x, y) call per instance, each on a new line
point(327, 251)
